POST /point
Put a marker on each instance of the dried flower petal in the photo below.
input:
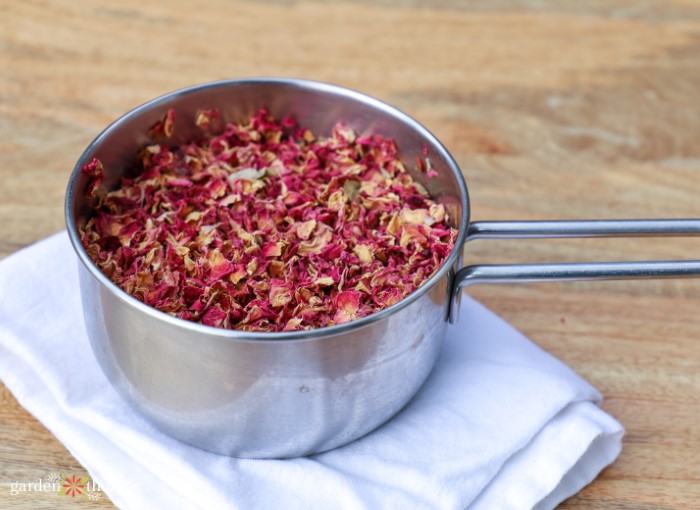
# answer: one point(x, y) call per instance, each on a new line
point(246, 173)
point(280, 293)
point(305, 228)
point(272, 250)
point(209, 120)
point(218, 265)
point(347, 304)
point(416, 217)
point(364, 253)
point(164, 127)
point(96, 172)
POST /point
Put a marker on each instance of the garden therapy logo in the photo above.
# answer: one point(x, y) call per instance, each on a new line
point(72, 486)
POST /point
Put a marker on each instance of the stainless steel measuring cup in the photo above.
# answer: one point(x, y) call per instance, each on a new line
point(297, 393)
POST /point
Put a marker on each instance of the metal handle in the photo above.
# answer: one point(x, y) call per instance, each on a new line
point(581, 228)
point(509, 273)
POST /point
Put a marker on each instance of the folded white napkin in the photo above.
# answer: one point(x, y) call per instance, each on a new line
point(500, 424)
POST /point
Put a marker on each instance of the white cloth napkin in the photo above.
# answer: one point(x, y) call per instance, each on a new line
point(500, 424)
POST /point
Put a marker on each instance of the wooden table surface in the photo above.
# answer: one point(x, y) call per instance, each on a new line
point(554, 110)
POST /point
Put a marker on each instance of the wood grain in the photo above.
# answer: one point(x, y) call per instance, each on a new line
point(553, 110)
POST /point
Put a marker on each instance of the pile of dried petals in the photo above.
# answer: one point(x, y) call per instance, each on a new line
point(264, 227)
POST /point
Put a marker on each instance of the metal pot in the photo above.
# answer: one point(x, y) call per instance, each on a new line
point(289, 394)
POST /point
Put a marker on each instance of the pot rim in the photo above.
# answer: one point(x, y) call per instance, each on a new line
point(238, 335)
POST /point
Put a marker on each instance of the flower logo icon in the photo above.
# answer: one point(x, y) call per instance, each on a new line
point(73, 485)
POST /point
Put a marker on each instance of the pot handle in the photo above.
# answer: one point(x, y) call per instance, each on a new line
point(510, 273)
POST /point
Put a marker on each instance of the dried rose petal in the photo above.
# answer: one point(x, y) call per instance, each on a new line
point(347, 304)
point(96, 172)
point(214, 317)
point(429, 170)
point(218, 265)
point(164, 127)
point(271, 250)
point(280, 293)
point(209, 120)
point(305, 229)
point(364, 253)
point(265, 227)
point(388, 297)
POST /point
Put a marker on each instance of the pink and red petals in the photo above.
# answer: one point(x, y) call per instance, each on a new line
point(265, 227)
